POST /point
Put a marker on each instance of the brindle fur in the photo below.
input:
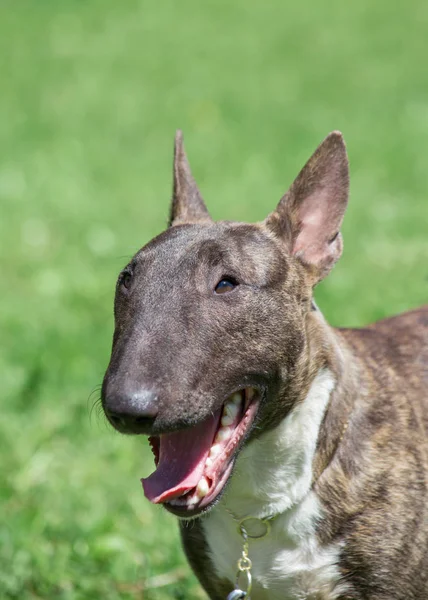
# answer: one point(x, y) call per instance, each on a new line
point(191, 349)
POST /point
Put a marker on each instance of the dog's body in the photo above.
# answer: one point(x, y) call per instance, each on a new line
point(222, 357)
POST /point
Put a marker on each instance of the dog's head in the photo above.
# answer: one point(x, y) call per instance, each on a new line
point(210, 345)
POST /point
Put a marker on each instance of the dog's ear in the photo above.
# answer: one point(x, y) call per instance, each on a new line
point(310, 214)
point(187, 204)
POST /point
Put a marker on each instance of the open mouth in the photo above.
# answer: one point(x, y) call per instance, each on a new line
point(193, 465)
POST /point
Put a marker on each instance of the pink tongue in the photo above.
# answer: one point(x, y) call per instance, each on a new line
point(182, 457)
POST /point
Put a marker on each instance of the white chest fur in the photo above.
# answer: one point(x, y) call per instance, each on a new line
point(273, 477)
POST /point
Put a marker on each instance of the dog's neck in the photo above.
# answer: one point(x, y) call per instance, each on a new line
point(275, 471)
point(278, 469)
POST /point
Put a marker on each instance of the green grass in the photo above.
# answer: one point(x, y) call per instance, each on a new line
point(90, 95)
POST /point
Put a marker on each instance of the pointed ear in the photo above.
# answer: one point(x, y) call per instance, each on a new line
point(310, 214)
point(187, 205)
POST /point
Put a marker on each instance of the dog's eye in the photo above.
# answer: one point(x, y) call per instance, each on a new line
point(225, 285)
point(126, 279)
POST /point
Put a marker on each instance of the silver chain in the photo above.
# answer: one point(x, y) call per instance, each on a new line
point(244, 564)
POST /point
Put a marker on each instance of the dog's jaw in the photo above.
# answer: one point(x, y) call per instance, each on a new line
point(202, 481)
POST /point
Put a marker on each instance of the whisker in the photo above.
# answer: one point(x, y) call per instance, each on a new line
point(95, 404)
point(95, 390)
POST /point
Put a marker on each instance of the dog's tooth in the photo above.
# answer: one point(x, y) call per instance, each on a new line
point(226, 420)
point(231, 410)
point(236, 399)
point(202, 488)
point(177, 502)
point(223, 434)
point(209, 462)
point(215, 450)
point(250, 393)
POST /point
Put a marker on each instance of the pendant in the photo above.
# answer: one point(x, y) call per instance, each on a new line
point(236, 595)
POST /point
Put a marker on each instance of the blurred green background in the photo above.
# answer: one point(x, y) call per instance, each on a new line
point(91, 93)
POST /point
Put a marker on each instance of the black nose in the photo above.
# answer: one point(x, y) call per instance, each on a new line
point(131, 412)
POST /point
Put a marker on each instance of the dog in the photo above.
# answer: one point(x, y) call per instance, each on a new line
point(294, 454)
